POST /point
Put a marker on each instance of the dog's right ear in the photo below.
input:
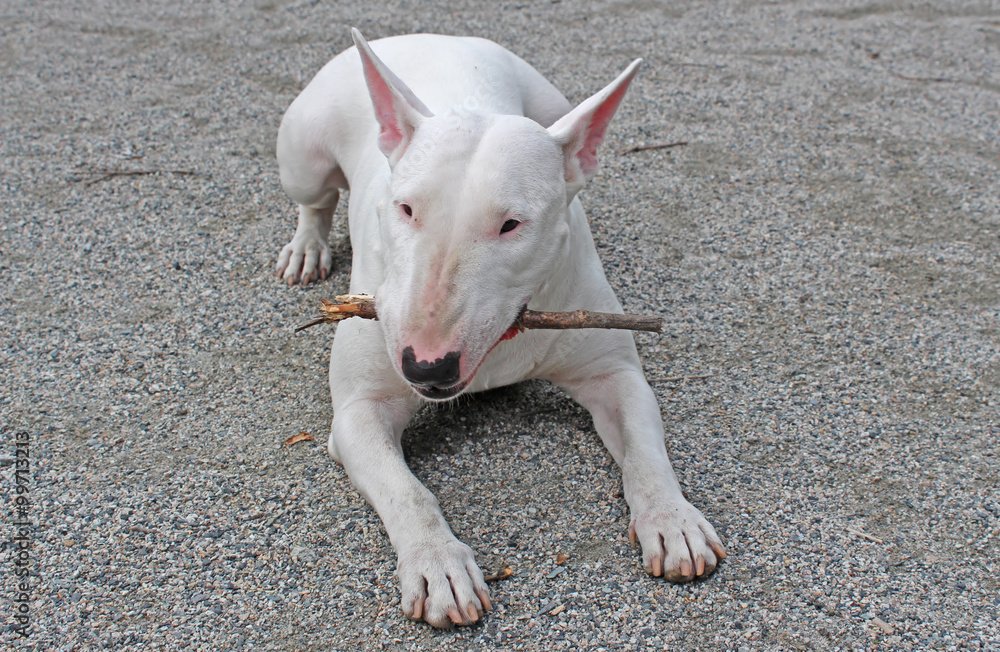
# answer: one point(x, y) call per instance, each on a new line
point(397, 110)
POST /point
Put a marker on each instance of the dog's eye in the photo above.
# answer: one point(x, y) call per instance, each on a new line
point(406, 209)
point(509, 225)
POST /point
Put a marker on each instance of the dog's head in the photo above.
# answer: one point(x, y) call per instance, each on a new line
point(475, 221)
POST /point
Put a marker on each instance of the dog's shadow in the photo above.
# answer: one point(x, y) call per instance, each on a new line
point(492, 419)
point(508, 464)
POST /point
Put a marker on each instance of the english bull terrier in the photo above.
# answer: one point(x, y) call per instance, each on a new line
point(463, 213)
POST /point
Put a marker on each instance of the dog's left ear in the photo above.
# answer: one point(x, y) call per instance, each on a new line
point(398, 111)
point(581, 131)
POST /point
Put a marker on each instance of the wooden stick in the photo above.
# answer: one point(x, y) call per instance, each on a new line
point(587, 319)
point(643, 148)
point(104, 175)
point(363, 305)
point(863, 535)
point(677, 379)
point(345, 306)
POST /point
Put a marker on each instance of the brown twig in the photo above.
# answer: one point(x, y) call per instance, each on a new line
point(363, 305)
point(500, 575)
point(863, 535)
point(677, 379)
point(899, 75)
point(643, 148)
point(587, 319)
point(104, 175)
point(346, 305)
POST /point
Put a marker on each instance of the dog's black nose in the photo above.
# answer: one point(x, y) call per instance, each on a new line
point(442, 372)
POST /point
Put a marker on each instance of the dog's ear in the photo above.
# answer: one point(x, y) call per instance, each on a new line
point(398, 111)
point(581, 131)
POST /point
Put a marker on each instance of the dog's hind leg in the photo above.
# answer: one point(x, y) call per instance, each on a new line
point(312, 178)
point(307, 257)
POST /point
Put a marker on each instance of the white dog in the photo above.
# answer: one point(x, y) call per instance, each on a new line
point(463, 213)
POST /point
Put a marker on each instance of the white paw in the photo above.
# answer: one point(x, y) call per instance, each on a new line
point(304, 259)
point(677, 542)
point(441, 584)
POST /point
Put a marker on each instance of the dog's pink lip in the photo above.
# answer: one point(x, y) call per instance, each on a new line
point(508, 334)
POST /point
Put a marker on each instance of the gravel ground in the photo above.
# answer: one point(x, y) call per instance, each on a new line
point(824, 247)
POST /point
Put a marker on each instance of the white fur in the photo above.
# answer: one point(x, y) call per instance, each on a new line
point(480, 139)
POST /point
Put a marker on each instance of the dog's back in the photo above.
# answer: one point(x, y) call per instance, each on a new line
point(446, 72)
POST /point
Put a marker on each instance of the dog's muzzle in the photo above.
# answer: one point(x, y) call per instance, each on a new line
point(440, 379)
point(437, 379)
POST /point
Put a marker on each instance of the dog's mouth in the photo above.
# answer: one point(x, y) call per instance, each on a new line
point(440, 393)
point(436, 393)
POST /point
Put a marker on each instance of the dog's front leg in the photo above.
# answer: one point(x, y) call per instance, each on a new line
point(439, 579)
point(677, 541)
point(438, 576)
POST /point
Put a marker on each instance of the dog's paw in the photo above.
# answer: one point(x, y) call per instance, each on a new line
point(304, 259)
point(677, 542)
point(441, 584)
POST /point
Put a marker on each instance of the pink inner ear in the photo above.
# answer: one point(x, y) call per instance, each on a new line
point(596, 129)
point(391, 135)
